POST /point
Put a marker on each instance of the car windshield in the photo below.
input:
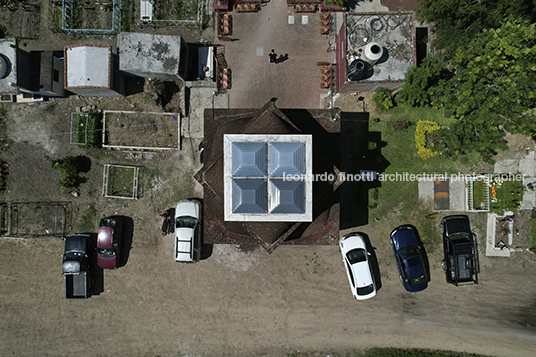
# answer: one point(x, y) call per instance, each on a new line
point(72, 255)
point(365, 290)
point(417, 281)
point(460, 236)
point(106, 253)
point(107, 222)
point(409, 251)
point(356, 256)
point(186, 222)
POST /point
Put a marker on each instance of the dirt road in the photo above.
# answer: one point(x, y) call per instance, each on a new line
point(232, 303)
point(251, 304)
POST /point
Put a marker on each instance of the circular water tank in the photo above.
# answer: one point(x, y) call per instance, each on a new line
point(356, 70)
point(5, 66)
point(373, 52)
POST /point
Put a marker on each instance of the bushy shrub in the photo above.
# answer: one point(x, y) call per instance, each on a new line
point(70, 168)
point(424, 126)
point(419, 84)
point(383, 98)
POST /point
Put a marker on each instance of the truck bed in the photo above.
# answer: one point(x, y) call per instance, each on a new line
point(76, 286)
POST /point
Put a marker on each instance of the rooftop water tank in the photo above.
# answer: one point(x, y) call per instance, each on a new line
point(373, 52)
point(356, 70)
point(5, 66)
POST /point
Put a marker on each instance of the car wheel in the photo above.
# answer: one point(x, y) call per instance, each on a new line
point(444, 265)
point(391, 241)
point(401, 279)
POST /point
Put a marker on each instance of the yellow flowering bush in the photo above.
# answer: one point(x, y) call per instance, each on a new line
point(424, 126)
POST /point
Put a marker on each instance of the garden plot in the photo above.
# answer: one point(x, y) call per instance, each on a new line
point(178, 10)
point(140, 131)
point(32, 220)
point(478, 193)
point(120, 181)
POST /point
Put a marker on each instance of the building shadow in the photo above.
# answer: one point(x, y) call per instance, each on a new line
point(361, 165)
point(133, 84)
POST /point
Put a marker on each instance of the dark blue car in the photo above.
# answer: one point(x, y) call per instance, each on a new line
point(409, 258)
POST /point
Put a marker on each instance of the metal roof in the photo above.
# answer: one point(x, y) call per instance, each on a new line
point(287, 196)
point(287, 159)
point(249, 196)
point(249, 159)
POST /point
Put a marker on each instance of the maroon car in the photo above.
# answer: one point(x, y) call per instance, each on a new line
point(109, 240)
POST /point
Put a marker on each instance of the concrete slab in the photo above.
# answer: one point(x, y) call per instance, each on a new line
point(491, 251)
point(506, 166)
point(526, 165)
point(200, 98)
point(295, 82)
point(529, 194)
point(362, 6)
point(457, 192)
point(260, 51)
point(305, 19)
point(426, 190)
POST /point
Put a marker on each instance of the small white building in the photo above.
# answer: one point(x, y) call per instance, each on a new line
point(152, 56)
point(90, 71)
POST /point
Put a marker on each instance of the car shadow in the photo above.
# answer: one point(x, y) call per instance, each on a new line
point(374, 266)
point(207, 250)
point(96, 273)
point(425, 260)
point(128, 233)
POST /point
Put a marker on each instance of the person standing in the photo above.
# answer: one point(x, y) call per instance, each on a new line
point(273, 56)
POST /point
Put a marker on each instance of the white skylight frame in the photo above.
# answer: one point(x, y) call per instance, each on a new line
point(307, 216)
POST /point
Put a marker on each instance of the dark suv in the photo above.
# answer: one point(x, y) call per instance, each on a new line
point(460, 250)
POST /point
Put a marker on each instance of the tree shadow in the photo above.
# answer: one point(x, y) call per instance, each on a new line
point(83, 163)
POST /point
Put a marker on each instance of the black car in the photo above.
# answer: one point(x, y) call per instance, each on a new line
point(460, 250)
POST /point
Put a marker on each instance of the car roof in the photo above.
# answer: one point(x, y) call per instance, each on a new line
point(104, 237)
point(362, 274)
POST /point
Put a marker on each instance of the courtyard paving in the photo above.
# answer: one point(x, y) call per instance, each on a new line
point(295, 82)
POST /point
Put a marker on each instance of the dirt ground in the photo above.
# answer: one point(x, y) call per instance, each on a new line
point(232, 303)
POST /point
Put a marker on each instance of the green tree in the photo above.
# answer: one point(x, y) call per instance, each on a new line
point(419, 82)
point(383, 98)
point(493, 90)
point(458, 21)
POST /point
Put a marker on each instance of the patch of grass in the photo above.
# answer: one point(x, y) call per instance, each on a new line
point(478, 194)
point(88, 222)
point(125, 15)
point(89, 130)
point(121, 181)
point(56, 23)
point(5, 142)
point(506, 196)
